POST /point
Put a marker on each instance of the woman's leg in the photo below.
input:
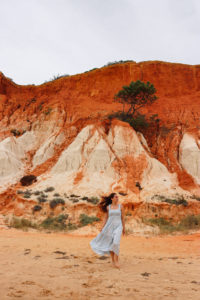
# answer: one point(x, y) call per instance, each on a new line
point(116, 245)
point(112, 256)
point(116, 260)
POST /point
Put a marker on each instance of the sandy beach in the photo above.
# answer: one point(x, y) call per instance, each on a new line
point(37, 265)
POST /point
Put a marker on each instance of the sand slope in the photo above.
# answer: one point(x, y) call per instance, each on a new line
point(31, 270)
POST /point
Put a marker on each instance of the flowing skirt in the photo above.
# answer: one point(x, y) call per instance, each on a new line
point(107, 240)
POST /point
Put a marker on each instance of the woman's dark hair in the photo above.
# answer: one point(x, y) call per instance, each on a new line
point(106, 200)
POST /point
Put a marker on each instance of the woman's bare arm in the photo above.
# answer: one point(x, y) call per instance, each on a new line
point(105, 218)
point(122, 217)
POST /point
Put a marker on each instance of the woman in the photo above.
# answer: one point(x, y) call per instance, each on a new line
point(108, 240)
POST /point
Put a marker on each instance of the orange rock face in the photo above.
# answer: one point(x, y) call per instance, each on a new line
point(57, 111)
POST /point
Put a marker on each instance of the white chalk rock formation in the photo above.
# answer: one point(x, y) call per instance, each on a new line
point(189, 156)
point(46, 150)
point(12, 155)
point(96, 163)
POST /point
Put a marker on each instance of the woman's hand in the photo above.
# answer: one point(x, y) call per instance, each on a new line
point(123, 231)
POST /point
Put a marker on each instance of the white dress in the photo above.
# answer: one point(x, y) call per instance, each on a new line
point(109, 238)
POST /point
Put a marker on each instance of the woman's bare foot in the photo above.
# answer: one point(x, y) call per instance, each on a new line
point(113, 263)
point(117, 265)
point(116, 261)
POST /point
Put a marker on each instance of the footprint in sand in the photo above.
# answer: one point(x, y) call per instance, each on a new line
point(145, 274)
point(110, 286)
point(59, 252)
point(27, 251)
point(16, 294)
point(92, 282)
point(90, 262)
point(69, 266)
point(194, 281)
point(28, 282)
point(45, 292)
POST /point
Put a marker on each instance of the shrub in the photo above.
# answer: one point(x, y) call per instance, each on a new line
point(49, 189)
point(93, 200)
point(15, 132)
point(60, 201)
point(36, 193)
point(75, 196)
point(42, 194)
point(179, 201)
point(28, 180)
point(56, 195)
point(75, 200)
point(91, 70)
point(53, 203)
point(27, 196)
point(137, 122)
point(138, 186)
point(158, 197)
point(27, 192)
point(37, 208)
point(55, 223)
point(62, 218)
point(117, 62)
point(85, 198)
point(176, 202)
point(195, 197)
point(21, 223)
point(71, 226)
point(55, 77)
point(164, 225)
point(159, 222)
point(85, 219)
point(136, 95)
point(187, 223)
point(190, 222)
point(20, 192)
point(41, 199)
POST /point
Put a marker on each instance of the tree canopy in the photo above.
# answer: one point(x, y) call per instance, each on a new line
point(136, 95)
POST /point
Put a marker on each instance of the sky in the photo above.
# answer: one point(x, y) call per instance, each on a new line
point(40, 39)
